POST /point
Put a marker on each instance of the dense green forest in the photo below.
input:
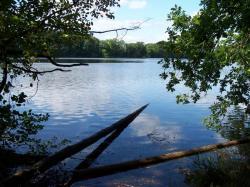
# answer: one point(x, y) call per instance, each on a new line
point(112, 48)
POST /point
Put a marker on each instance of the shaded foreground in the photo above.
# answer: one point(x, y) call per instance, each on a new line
point(135, 164)
point(21, 177)
point(81, 172)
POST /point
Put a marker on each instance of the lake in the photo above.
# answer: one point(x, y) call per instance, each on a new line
point(89, 98)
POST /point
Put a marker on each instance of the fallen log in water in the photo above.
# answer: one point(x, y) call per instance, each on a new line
point(23, 176)
point(135, 164)
point(90, 159)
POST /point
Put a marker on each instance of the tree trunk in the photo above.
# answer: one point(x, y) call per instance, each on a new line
point(90, 159)
point(135, 164)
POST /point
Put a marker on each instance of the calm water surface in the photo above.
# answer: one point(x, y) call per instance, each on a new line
point(90, 98)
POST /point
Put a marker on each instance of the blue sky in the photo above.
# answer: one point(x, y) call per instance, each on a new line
point(133, 12)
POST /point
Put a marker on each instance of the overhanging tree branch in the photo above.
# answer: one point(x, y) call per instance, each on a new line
point(39, 72)
point(115, 30)
point(41, 22)
point(64, 65)
point(138, 26)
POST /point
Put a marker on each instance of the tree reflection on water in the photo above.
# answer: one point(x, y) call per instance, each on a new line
point(227, 167)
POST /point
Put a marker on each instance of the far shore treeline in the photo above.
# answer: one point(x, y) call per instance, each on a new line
point(112, 48)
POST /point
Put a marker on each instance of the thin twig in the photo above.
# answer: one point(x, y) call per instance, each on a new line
point(37, 83)
point(121, 29)
point(125, 29)
point(115, 30)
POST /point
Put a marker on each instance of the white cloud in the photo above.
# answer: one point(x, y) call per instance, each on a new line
point(156, 130)
point(134, 4)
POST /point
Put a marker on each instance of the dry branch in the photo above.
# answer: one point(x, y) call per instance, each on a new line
point(135, 164)
point(115, 30)
point(41, 166)
point(138, 26)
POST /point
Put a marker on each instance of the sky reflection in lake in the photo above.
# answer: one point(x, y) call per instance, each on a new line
point(87, 99)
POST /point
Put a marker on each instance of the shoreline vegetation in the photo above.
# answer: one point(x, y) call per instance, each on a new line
point(95, 60)
point(112, 48)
